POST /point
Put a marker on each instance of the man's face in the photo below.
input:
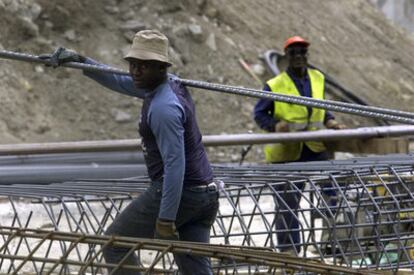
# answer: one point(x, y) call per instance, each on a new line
point(297, 56)
point(147, 74)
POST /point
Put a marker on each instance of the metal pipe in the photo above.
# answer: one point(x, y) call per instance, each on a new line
point(210, 140)
point(368, 111)
point(71, 147)
point(321, 135)
point(42, 174)
point(91, 158)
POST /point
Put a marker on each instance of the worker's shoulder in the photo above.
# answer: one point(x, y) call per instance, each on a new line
point(165, 101)
point(316, 72)
point(277, 79)
point(164, 96)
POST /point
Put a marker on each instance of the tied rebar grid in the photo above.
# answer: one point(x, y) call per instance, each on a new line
point(79, 258)
point(355, 213)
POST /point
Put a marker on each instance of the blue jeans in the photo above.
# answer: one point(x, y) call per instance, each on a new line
point(287, 225)
point(196, 215)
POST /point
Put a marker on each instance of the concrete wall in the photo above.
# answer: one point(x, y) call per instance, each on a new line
point(400, 12)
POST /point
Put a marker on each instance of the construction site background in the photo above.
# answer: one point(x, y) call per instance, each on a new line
point(399, 11)
point(351, 40)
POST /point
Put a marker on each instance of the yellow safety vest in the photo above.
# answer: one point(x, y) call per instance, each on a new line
point(296, 116)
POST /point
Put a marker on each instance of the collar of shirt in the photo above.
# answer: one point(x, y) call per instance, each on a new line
point(301, 83)
point(160, 87)
point(295, 78)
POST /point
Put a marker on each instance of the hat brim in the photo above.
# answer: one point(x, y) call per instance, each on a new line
point(302, 43)
point(145, 55)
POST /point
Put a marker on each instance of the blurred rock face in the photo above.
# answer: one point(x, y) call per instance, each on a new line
point(350, 40)
point(399, 11)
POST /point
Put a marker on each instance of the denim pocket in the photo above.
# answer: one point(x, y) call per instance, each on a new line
point(210, 213)
point(198, 207)
point(196, 199)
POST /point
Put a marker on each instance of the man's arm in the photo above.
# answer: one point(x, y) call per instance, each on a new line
point(328, 116)
point(167, 123)
point(330, 122)
point(263, 113)
point(119, 83)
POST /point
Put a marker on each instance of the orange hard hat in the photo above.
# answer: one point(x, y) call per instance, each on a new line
point(295, 40)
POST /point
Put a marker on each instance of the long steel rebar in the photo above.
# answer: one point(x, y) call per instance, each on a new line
point(262, 257)
point(343, 107)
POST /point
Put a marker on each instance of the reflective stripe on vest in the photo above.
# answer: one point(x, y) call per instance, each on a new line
point(297, 116)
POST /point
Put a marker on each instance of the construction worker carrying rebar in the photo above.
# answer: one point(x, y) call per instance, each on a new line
point(273, 116)
point(182, 200)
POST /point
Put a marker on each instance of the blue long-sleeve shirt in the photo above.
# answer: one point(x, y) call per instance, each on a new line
point(264, 108)
point(171, 139)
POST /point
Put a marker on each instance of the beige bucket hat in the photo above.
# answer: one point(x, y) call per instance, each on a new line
point(149, 45)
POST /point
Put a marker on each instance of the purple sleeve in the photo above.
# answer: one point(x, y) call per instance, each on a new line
point(263, 113)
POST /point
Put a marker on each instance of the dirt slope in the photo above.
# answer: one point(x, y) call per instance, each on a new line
point(351, 40)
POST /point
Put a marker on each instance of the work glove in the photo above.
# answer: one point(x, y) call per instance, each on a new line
point(166, 230)
point(282, 126)
point(62, 55)
point(335, 125)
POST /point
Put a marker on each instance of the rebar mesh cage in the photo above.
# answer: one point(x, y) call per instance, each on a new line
point(351, 214)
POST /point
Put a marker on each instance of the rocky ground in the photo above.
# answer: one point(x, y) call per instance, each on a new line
point(351, 41)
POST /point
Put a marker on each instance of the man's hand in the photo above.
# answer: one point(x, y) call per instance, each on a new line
point(335, 125)
point(62, 55)
point(282, 126)
point(166, 230)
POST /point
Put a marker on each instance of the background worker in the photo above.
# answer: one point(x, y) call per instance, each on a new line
point(182, 200)
point(273, 116)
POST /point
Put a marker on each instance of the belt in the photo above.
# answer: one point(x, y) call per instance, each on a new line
point(210, 188)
